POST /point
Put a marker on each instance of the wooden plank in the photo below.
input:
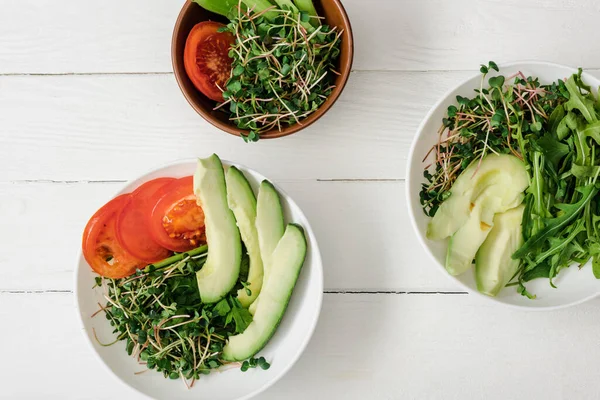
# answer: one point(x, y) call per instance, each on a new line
point(71, 36)
point(366, 240)
point(116, 36)
point(117, 127)
point(365, 346)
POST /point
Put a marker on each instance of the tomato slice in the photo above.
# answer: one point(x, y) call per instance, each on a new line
point(177, 222)
point(101, 249)
point(133, 232)
point(206, 58)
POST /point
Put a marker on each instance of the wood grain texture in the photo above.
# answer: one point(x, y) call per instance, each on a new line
point(71, 36)
point(102, 107)
point(365, 347)
point(117, 127)
point(366, 239)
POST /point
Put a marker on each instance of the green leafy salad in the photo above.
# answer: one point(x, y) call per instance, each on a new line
point(514, 180)
point(215, 305)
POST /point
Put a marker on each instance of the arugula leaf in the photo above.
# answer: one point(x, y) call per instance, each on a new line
point(553, 149)
point(593, 131)
point(568, 123)
point(580, 83)
point(555, 119)
point(557, 244)
point(596, 265)
point(594, 250)
point(553, 225)
point(541, 270)
point(579, 102)
point(522, 290)
point(584, 171)
point(562, 249)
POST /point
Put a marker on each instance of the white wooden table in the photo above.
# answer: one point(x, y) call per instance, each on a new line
point(88, 101)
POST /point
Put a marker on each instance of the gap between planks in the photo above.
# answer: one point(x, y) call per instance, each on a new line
point(109, 181)
point(50, 74)
point(408, 71)
point(340, 292)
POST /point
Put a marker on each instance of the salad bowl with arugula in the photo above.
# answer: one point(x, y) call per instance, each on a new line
point(200, 279)
point(503, 184)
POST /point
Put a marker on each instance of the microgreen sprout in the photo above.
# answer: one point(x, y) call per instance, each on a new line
point(495, 120)
point(158, 313)
point(283, 68)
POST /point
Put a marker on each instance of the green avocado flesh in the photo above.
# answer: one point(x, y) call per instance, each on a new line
point(242, 202)
point(269, 226)
point(463, 245)
point(222, 267)
point(286, 263)
point(465, 242)
point(502, 177)
point(494, 266)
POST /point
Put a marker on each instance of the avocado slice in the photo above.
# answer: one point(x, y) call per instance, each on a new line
point(242, 202)
point(499, 175)
point(222, 267)
point(494, 266)
point(270, 227)
point(287, 261)
point(463, 244)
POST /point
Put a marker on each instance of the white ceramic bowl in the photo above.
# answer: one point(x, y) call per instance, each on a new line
point(282, 351)
point(574, 285)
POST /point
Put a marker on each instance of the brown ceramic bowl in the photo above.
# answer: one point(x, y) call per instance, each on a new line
point(192, 13)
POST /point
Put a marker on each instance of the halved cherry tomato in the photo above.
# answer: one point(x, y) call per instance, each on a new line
point(101, 248)
point(177, 222)
point(133, 232)
point(206, 58)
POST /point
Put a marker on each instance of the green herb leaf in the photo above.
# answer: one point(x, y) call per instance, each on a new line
point(541, 270)
point(553, 225)
point(594, 250)
point(578, 102)
point(234, 86)
point(553, 149)
point(240, 315)
point(496, 81)
point(238, 70)
point(222, 308)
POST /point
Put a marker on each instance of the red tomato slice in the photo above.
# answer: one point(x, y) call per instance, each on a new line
point(101, 249)
point(133, 232)
point(206, 58)
point(177, 222)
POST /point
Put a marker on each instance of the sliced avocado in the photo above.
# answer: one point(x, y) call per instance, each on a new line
point(269, 226)
point(287, 261)
point(503, 176)
point(242, 202)
point(222, 267)
point(465, 242)
point(494, 266)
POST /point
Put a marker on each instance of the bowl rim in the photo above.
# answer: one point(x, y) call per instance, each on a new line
point(411, 201)
point(315, 253)
point(273, 133)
